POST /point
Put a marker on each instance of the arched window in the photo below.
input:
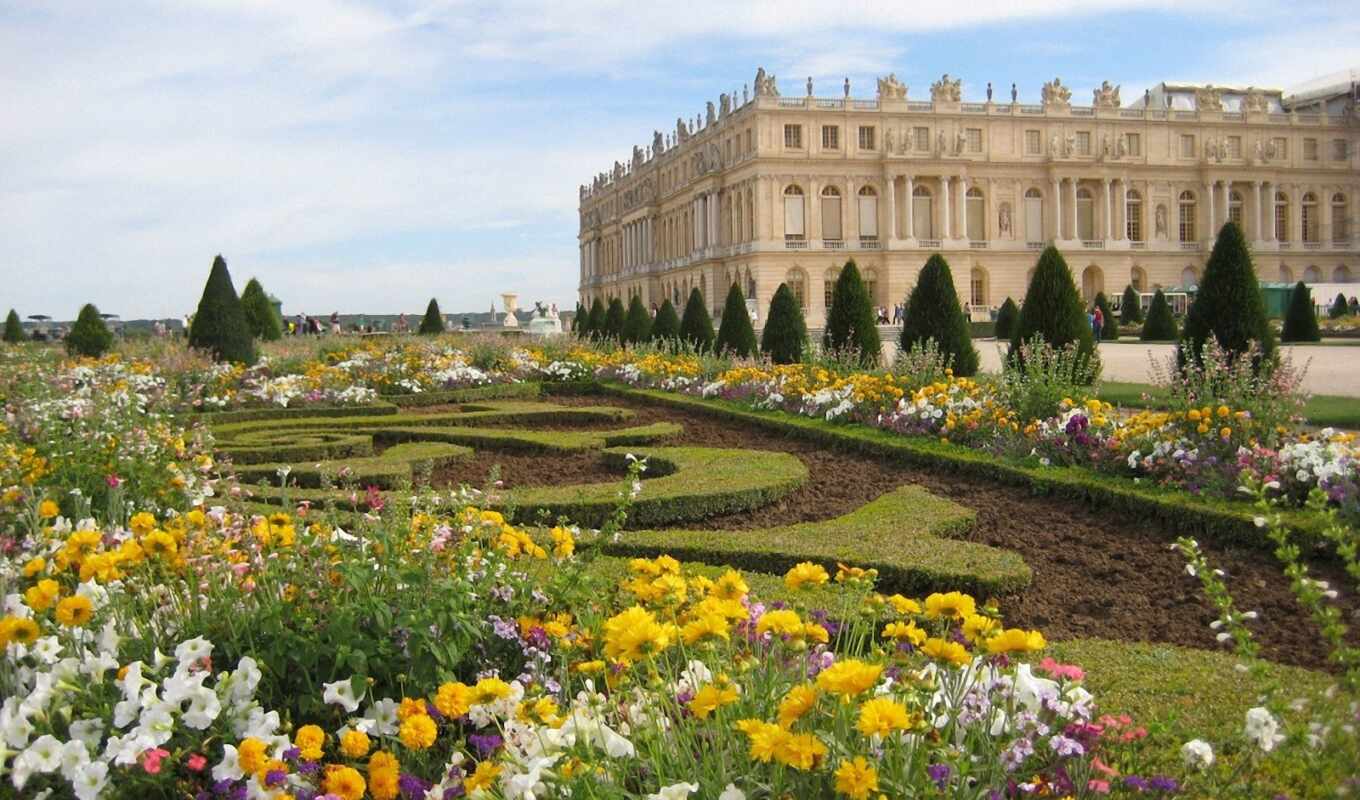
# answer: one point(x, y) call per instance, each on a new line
point(1286, 274)
point(1340, 234)
point(1189, 277)
point(1310, 217)
point(1235, 207)
point(1034, 216)
point(1138, 279)
point(1187, 219)
point(750, 215)
point(977, 215)
point(793, 213)
point(868, 213)
point(1341, 274)
point(922, 218)
point(796, 279)
point(738, 219)
point(831, 214)
point(1133, 216)
point(829, 285)
point(1092, 282)
point(1312, 275)
point(1282, 216)
point(1086, 214)
point(977, 294)
point(871, 286)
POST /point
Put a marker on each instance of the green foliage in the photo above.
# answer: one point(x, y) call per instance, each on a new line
point(1339, 308)
point(1035, 383)
point(736, 337)
point(1161, 324)
point(1006, 318)
point(1130, 307)
point(14, 330)
point(1109, 329)
point(851, 326)
point(614, 318)
point(1300, 319)
point(1229, 305)
point(637, 326)
point(933, 312)
point(1052, 309)
point(220, 325)
point(433, 322)
point(696, 326)
point(263, 320)
point(89, 336)
point(577, 320)
point(785, 336)
point(595, 327)
point(666, 326)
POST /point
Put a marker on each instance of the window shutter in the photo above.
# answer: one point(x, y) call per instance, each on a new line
point(831, 218)
point(868, 216)
point(793, 216)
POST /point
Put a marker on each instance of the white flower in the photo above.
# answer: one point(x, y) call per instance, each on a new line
point(203, 709)
point(73, 757)
point(1197, 754)
point(229, 768)
point(342, 694)
point(1263, 728)
point(380, 719)
point(89, 731)
point(732, 793)
point(1031, 691)
point(90, 780)
point(44, 755)
point(192, 650)
point(676, 791)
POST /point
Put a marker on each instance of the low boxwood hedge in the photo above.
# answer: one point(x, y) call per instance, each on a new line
point(467, 395)
point(400, 466)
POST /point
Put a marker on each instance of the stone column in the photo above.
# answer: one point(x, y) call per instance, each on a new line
point(1109, 210)
point(1256, 200)
point(1057, 210)
point(850, 214)
point(1073, 210)
point(812, 213)
point(908, 188)
point(989, 227)
point(892, 207)
point(945, 232)
point(1212, 186)
point(962, 205)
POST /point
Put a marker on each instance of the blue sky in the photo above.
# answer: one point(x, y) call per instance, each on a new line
point(366, 156)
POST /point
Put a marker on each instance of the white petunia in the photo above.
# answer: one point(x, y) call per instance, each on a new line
point(676, 791)
point(192, 650)
point(74, 755)
point(90, 780)
point(44, 755)
point(89, 731)
point(1263, 728)
point(732, 793)
point(1197, 754)
point(229, 768)
point(341, 693)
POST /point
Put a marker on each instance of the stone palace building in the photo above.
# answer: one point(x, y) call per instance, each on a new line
point(772, 188)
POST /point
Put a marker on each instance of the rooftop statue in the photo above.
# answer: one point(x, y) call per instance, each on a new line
point(890, 88)
point(724, 104)
point(945, 90)
point(1055, 94)
point(681, 132)
point(1208, 98)
point(657, 144)
point(710, 114)
point(765, 84)
point(1255, 100)
point(1106, 96)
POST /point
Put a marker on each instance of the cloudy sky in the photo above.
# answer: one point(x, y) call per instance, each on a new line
point(364, 156)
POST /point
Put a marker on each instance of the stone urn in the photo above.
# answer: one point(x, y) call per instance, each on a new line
point(511, 301)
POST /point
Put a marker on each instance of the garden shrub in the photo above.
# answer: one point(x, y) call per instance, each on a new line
point(1228, 305)
point(1109, 330)
point(1339, 307)
point(89, 335)
point(219, 324)
point(1161, 324)
point(1036, 383)
point(1052, 309)
point(1300, 319)
point(614, 317)
point(595, 328)
point(696, 326)
point(577, 320)
point(14, 329)
point(785, 336)
point(933, 313)
point(261, 317)
point(851, 326)
point(666, 327)
point(736, 337)
point(1006, 318)
point(637, 325)
point(1130, 307)
point(433, 322)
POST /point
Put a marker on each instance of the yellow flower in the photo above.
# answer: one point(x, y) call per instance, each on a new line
point(1192, 415)
point(310, 740)
point(799, 700)
point(806, 573)
point(589, 667)
point(142, 523)
point(977, 628)
point(802, 751)
point(904, 631)
point(730, 586)
point(634, 634)
point(453, 699)
point(782, 621)
point(955, 605)
point(48, 509)
point(764, 738)
point(848, 678)
point(489, 690)
point(710, 698)
point(75, 611)
point(941, 650)
point(344, 782)
point(881, 716)
point(1015, 640)
point(418, 732)
point(34, 566)
point(904, 605)
point(1223, 411)
point(17, 629)
point(1225, 432)
point(159, 544)
point(410, 707)
point(709, 626)
point(42, 595)
point(563, 543)
point(481, 778)
point(354, 744)
point(252, 754)
point(384, 784)
point(856, 778)
point(383, 761)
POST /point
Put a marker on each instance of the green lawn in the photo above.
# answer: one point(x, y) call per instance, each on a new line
point(1322, 410)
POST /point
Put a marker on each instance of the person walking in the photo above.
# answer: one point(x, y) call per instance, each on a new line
point(335, 322)
point(1098, 323)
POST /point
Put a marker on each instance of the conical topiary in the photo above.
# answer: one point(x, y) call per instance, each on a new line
point(1005, 320)
point(14, 329)
point(666, 326)
point(785, 336)
point(1228, 305)
point(219, 325)
point(637, 325)
point(1339, 307)
point(614, 318)
point(1052, 308)
point(577, 320)
point(1161, 324)
point(595, 327)
point(1130, 307)
point(432, 323)
point(735, 335)
point(933, 312)
point(263, 320)
point(1300, 318)
point(696, 326)
point(851, 325)
point(1109, 326)
point(89, 336)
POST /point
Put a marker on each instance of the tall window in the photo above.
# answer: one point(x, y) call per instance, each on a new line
point(977, 215)
point(1189, 277)
point(831, 137)
point(1086, 214)
point(831, 213)
point(1133, 142)
point(1034, 216)
point(1083, 143)
point(1312, 275)
point(1032, 146)
point(1286, 274)
point(1187, 219)
point(1138, 279)
point(1133, 214)
point(1339, 231)
point(922, 136)
point(922, 221)
point(1235, 207)
point(793, 136)
point(1310, 217)
point(1310, 149)
point(866, 137)
point(1187, 145)
point(868, 213)
point(797, 282)
point(1282, 216)
point(977, 296)
point(974, 139)
point(793, 213)
point(1234, 147)
point(1281, 146)
point(871, 284)
point(1338, 149)
point(829, 279)
point(1341, 274)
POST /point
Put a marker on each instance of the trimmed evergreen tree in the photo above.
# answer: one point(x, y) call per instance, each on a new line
point(14, 329)
point(666, 326)
point(1161, 323)
point(219, 324)
point(735, 334)
point(89, 336)
point(1052, 308)
point(263, 320)
point(1339, 307)
point(1300, 319)
point(1228, 305)
point(696, 326)
point(637, 325)
point(933, 312)
point(595, 322)
point(1109, 326)
point(614, 317)
point(785, 336)
point(850, 323)
point(1005, 320)
point(432, 324)
point(1130, 307)
point(576, 321)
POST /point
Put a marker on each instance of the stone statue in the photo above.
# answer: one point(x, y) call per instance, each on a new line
point(765, 85)
point(887, 141)
point(1271, 150)
point(1161, 221)
point(1003, 222)
point(1071, 143)
point(1053, 146)
point(1255, 101)
point(657, 145)
point(1147, 98)
point(1260, 150)
point(1105, 145)
point(1056, 95)
point(584, 191)
point(1106, 96)
point(945, 90)
point(618, 170)
point(637, 156)
point(940, 140)
point(724, 105)
point(1207, 98)
point(745, 94)
point(1211, 149)
point(989, 91)
point(890, 88)
point(959, 141)
point(540, 310)
point(1014, 93)
point(1120, 147)
point(847, 88)
point(710, 115)
point(681, 132)
point(809, 86)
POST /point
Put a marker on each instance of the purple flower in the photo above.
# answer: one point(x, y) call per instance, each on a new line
point(485, 745)
point(274, 777)
point(291, 755)
point(1163, 783)
point(1136, 783)
point(1065, 746)
point(412, 786)
point(309, 767)
point(939, 773)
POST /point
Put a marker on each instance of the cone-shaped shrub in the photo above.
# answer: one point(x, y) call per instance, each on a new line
point(1052, 308)
point(1338, 309)
point(851, 325)
point(1160, 325)
point(614, 317)
point(637, 325)
point(89, 336)
point(14, 329)
point(433, 321)
point(735, 335)
point(576, 321)
point(220, 323)
point(1006, 317)
point(666, 326)
point(933, 312)
point(264, 322)
point(1109, 326)
point(785, 335)
point(696, 326)
point(1300, 320)
point(595, 321)
point(1130, 307)
point(1229, 305)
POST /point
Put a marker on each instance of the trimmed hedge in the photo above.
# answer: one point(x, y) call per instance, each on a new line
point(851, 325)
point(466, 395)
point(933, 312)
point(1228, 305)
point(219, 324)
point(89, 336)
point(1339, 309)
point(696, 326)
point(14, 329)
point(666, 327)
point(614, 317)
point(400, 466)
point(263, 320)
point(785, 336)
point(736, 337)
point(1005, 320)
point(637, 325)
point(1300, 320)
point(1130, 307)
point(1052, 309)
point(1161, 324)
point(432, 324)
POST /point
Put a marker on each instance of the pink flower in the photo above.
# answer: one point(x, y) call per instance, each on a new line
point(1102, 767)
point(113, 481)
point(1071, 671)
point(1099, 787)
point(196, 762)
point(151, 760)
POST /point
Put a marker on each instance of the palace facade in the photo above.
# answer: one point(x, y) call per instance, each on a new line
point(771, 188)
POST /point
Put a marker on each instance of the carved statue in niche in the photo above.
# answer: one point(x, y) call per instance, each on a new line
point(765, 85)
point(1260, 150)
point(945, 90)
point(888, 141)
point(1271, 150)
point(710, 114)
point(1071, 143)
point(1255, 101)
point(1161, 221)
point(959, 141)
point(1106, 96)
point(906, 141)
point(1057, 95)
point(1003, 222)
point(724, 105)
point(943, 146)
point(1053, 150)
point(890, 88)
point(1105, 145)
point(1120, 147)
point(1207, 98)
point(681, 132)
point(657, 145)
